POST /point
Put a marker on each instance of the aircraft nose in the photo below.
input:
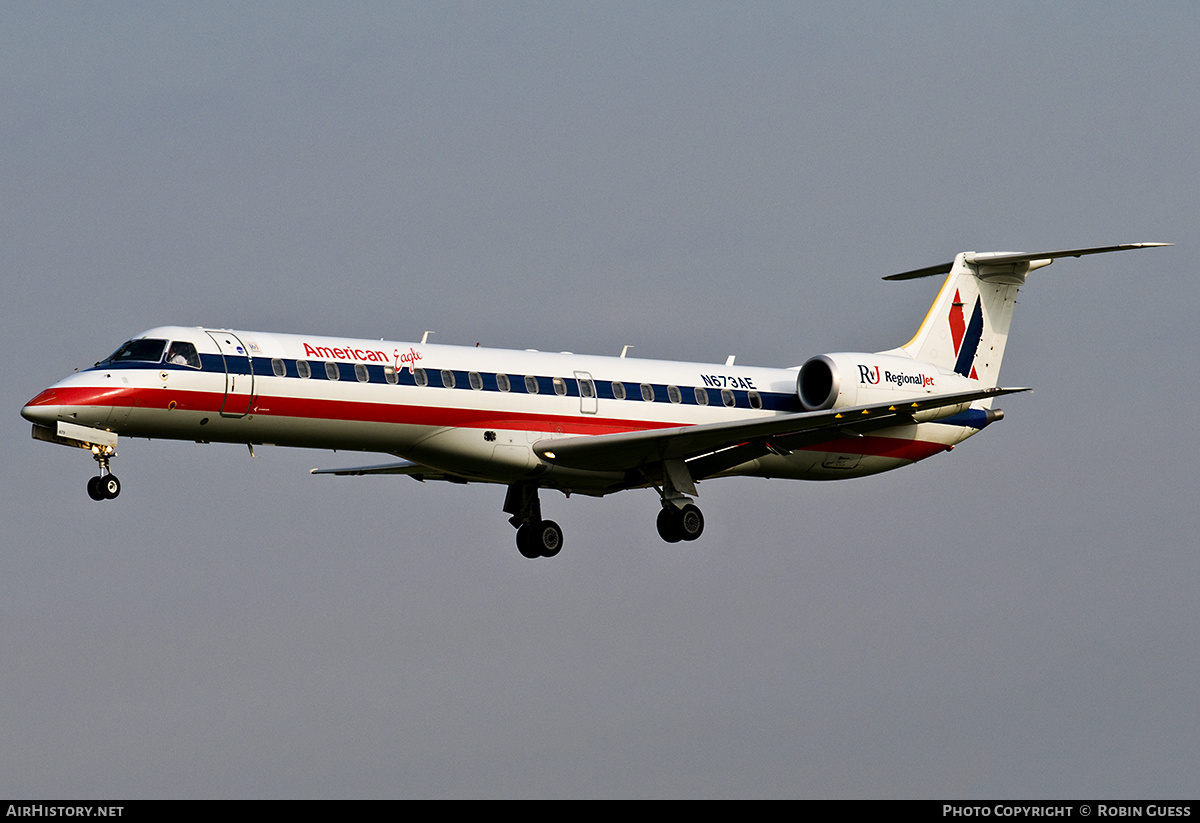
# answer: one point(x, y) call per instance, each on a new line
point(43, 408)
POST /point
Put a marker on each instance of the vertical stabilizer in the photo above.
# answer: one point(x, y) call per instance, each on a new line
point(966, 329)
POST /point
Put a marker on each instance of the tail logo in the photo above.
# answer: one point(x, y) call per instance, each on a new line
point(872, 376)
point(966, 336)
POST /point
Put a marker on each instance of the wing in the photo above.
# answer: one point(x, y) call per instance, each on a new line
point(413, 470)
point(714, 447)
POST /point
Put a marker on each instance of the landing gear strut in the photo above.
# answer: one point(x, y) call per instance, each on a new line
point(535, 537)
point(104, 486)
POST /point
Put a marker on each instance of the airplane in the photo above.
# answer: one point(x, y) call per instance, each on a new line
point(578, 424)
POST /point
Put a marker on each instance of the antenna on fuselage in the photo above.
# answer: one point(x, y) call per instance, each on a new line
point(625, 349)
point(425, 337)
point(729, 360)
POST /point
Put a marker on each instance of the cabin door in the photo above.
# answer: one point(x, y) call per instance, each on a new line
point(239, 373)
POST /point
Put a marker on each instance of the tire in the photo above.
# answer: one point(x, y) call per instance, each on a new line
point(526, 542)
point(93, 487)
point(549, 538)
point(669, 527)
point(110, 486)
point(691, 522)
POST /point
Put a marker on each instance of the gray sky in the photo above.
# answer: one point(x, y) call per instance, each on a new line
point(1016, 619)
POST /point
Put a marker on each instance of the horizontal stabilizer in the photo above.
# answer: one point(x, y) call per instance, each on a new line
point(928, 271)
point(1002, 257)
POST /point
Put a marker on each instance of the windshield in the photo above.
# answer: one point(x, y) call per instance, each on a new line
point(145, 351)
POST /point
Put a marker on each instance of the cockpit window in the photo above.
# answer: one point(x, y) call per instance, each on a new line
point(140, 351)
point(182, 353)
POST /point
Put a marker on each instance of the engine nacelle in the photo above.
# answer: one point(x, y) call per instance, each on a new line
point(841, 379)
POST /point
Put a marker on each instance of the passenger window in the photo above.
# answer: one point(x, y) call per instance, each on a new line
point(701, 396)
point(755, 400)
point(647, 392)
point(447, 378)
point(560, 386)
point(360, 371)
point(618, 390)
point(673, 394)
point(183, 353)
point(389, 374)
point(502, 382)
point(331, 371)
point(303, 369)
point(727, 398)
point(278, 368)
point(531, 385)
point(420, 377)
point(475, 380)
point(586, 389)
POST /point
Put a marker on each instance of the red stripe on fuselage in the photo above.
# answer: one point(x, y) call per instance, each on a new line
point(874, 445)
point(351, 410)
point(360, 411)
point(46, 397)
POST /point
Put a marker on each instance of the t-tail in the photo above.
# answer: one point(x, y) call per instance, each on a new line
point(966, 329)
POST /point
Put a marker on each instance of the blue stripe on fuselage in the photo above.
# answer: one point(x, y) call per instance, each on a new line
point(262, 367)
point(972, 418)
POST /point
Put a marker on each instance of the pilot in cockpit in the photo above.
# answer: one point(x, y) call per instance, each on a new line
point(183, 354)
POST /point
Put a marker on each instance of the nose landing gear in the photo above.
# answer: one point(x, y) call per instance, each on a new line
point(104, 486)
point(100, 442)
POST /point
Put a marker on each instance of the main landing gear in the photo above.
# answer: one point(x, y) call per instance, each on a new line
point(535, 537)
point(541, 539)
point(104, 486)
point(680, 518)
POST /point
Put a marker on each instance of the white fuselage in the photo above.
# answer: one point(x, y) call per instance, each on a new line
point(471, 412)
